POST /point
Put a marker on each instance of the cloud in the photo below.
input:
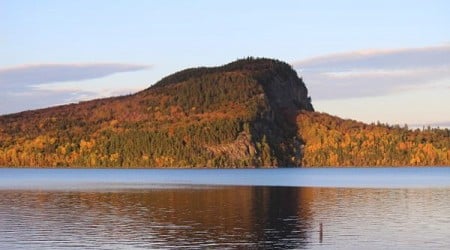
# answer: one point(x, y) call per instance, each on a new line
point(376, 72)
point(26, 75)
point(11, 102)
point(42, 96)
point(80, 93)
point(42, 85)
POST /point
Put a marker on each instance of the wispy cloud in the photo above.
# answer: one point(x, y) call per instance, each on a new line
point(42, 85)
point(375, 72)
point(25, 75)
point(78, 93)
point(16, 101)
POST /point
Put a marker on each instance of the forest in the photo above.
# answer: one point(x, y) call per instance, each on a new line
point(243, 114)
point(331, 141)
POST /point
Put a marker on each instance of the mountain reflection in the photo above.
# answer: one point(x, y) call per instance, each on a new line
point(226, 217)
point(263, 217)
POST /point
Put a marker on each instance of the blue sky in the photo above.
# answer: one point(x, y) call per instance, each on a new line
point(385, 61)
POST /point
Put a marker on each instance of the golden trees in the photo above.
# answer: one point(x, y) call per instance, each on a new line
point(331, 141)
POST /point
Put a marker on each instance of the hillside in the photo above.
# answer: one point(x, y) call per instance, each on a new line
point(249, 113)
point(331, 141)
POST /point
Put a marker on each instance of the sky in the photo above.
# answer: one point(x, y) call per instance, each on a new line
point(386, 61)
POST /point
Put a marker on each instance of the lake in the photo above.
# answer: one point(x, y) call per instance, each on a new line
point(380, 208)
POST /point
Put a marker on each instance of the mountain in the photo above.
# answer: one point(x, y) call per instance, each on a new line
point(253, 112)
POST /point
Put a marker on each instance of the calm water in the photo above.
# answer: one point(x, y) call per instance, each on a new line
point(140, 209)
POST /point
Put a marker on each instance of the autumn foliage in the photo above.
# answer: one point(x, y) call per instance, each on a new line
point(331, 141)
point(249, 113)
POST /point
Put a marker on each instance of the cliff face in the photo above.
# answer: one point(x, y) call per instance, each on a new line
point(288, 93)
point(240, 114)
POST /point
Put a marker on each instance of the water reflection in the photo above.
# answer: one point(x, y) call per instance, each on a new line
point(193, 217)
point(226, 217)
